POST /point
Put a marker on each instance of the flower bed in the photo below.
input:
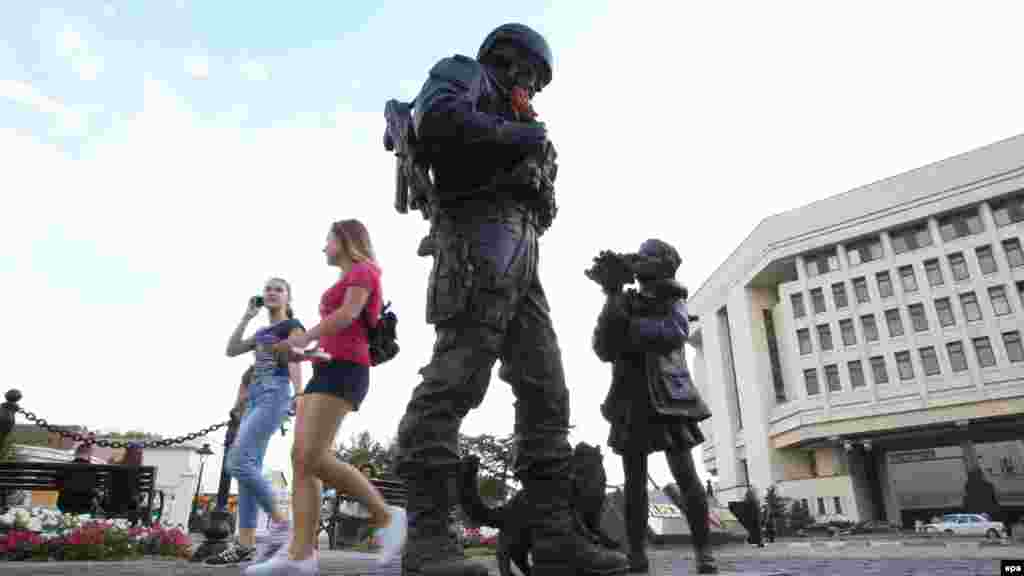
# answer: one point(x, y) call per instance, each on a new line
point(44, 534)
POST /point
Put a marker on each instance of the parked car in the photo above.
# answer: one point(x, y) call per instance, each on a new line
point(967, 525)
point(871, 527)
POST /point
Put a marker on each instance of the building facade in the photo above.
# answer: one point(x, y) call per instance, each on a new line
point(848, 347)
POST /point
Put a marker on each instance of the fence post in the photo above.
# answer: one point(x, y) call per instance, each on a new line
point(7, 412)
point(219, 522)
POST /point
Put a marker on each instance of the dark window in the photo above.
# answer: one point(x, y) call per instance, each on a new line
point(884, 284)
point(972, 312)
point(798, 305)
point(958, 267)
point(773, 354)
point(821, 263)
point(957, 358)
point(856, 373)
point(1008, 210)
point(837, 503)
point(803, 337)
point(1000, 303)
point(860, 289)
point(1014, 350)
point(832, 378)
point(934, 272)
point(811, 381)
point(908, 279)
point(818, 301)
point(821, 506)
point(904, 365)
point(894, 323)
point(918, 318)
point(839, 295)
point(961, 224)
point(1014, 255)
point(986, 261)
point(1020, 292)
point(870, 327)
point(864, 251)
point(911, 238)
point(824, 337)
point(847, 331)
point(983, 348)
point(878, 370)
point(930, 361)
point(944, 310)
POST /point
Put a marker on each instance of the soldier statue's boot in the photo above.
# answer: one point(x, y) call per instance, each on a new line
point(432, 547)
point(559, 549)
point(697, 517)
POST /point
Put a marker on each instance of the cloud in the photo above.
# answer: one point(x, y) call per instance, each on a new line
point(198, 67)
point(255, 71)
point(67, 119)
point(72, 47)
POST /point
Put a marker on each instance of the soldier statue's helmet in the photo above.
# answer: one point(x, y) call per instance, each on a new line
point(664, 254)
point(527, 40)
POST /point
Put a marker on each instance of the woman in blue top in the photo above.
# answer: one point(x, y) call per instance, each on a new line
point(268, 400)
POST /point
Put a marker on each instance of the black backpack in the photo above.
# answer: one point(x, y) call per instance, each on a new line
point(383, 337)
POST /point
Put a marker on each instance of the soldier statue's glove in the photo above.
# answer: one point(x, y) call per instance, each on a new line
point(525, 134)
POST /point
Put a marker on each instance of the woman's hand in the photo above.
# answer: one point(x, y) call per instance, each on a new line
point(294, 343)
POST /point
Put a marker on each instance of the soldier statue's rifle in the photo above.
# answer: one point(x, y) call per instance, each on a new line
point(413, 186)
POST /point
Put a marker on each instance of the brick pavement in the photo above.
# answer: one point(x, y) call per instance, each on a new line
point(777, 559)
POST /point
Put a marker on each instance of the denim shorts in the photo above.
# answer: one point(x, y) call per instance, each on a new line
point(341, 378)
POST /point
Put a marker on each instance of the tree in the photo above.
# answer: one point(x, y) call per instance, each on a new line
point(777, 509)
point(800, 516)
point(496, 455)
point(362, 449)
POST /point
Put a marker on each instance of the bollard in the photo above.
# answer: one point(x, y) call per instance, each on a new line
point(218, 523)
point(7, 411)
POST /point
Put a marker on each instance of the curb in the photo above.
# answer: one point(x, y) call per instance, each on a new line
point(896, 544)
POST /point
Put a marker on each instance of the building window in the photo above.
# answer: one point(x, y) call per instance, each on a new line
point(812, 466)
point(904, 365)
point(944, 310)
point(884, 285)
point(839, 295)
point(803, 337)
point(934, 272)
point(847, 331)
point(860, 290)
point(798, 305)
point(911, 238)
point(773, 355)
point(806, 507)
point(983, 348)
point(821, 506)
point(972, 312)
point(856, 373)
point(832, 378)
point(1014, 255)
point(1000, 303)
point(908, 279)
point(894, 323)
point(961, 224)
point(930, 361)
point(957, 358)
point(958, 266)
point(821, 263)
point(837, 504)
point(878, 370)
point(918, 318)
point(1014, 350)
point(1008, 210)
point(986, 261)
point(818, 301)
point(1020, 292)
point(864, 251)
point(811, 381)
point(824, 337)
point(870, 328)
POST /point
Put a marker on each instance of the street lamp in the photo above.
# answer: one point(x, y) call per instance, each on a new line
point(203, 453)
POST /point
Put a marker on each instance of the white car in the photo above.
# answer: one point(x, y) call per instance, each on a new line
point(968, 525)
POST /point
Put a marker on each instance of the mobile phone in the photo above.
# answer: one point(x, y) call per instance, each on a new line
point(256, 301)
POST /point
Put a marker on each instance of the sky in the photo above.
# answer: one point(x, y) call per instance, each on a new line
point(161, 160)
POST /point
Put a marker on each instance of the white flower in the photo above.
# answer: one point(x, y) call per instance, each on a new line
point(35, 525)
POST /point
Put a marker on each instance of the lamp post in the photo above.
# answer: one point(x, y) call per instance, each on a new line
point(203, 453)
point(219, 522)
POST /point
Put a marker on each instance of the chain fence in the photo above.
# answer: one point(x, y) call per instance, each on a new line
point(89, 438)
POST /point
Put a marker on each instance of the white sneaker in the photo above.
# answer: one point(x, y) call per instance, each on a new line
point(392, 537)
point(281, 565)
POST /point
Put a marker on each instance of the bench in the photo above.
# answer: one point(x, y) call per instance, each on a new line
point(111, 491)
point(391, 488)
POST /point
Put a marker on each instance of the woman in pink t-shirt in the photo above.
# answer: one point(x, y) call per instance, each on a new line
point(338, 386)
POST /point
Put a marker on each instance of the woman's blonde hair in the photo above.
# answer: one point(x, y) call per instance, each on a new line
point(355, 240)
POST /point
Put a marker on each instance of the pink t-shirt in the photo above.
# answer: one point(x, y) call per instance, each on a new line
point(352, 343)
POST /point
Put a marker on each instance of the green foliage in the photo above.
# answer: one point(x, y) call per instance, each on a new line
point(496, 457)
point(777, 510)
point(363, 449)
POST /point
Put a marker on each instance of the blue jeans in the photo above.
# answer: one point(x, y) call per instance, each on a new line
point(268, 404)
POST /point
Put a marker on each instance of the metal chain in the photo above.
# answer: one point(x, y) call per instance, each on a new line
point(89, 439)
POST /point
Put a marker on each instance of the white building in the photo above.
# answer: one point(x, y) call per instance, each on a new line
point(850, 347)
